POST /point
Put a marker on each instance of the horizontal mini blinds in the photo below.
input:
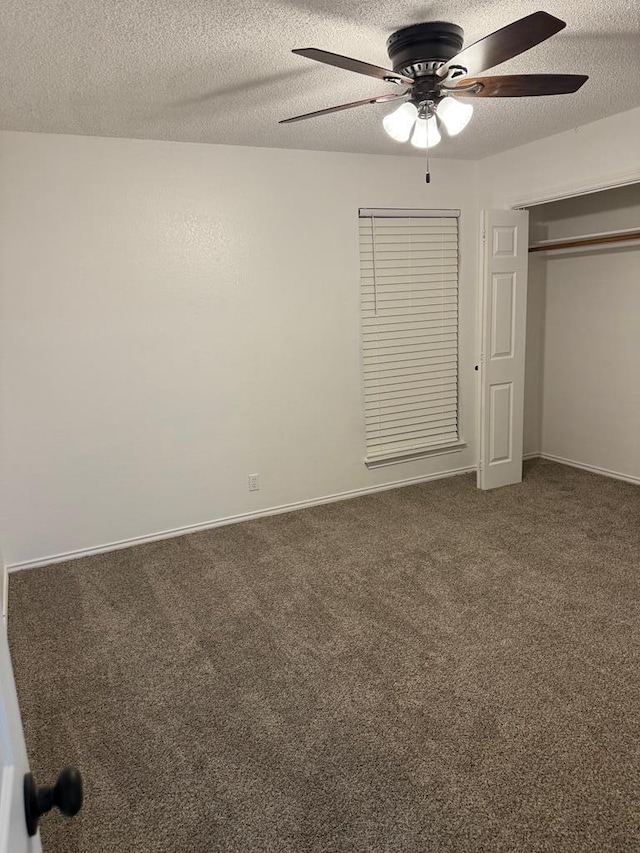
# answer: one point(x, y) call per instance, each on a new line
point(409, 306)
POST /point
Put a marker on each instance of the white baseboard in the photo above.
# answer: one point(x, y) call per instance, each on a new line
point(232, 519)
point(594, 469)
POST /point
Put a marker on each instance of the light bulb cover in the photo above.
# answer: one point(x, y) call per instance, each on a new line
point(399, 123)
point(454, 115)
point(426, 130)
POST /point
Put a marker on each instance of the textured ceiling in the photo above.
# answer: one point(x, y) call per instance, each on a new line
point(213, 71)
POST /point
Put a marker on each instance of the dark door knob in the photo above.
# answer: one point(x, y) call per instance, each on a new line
point(66, 795)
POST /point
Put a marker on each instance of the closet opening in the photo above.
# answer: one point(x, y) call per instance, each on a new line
point(582, 388)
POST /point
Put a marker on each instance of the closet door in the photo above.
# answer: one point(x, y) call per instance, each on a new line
point(505, 235)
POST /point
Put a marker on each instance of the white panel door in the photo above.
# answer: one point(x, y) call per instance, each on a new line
point(13, 762)
point(504, 305)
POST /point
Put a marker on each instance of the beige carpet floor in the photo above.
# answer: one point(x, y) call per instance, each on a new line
point(432, 668)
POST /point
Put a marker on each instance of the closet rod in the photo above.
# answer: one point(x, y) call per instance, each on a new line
point(588, 240)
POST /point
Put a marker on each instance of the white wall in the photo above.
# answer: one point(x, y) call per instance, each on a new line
point(599, 154)
point(176, 317)
point(583, 391)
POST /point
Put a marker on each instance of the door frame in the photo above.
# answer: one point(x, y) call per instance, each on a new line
point(573, 190)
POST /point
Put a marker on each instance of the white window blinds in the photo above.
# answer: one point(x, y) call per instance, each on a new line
point(409, 308)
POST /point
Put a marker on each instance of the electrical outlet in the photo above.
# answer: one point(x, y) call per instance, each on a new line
point(254, 483)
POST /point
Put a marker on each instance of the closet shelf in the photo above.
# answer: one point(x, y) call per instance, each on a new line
point(587, 240)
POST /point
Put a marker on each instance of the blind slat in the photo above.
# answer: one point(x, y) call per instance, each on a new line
point(409, 448)
point(389, 344)
point(439, 370)
point(395, 289)
point(390, 324)
point(405, 366)
point(401, 390)
point(409, 312)
point(397, 266)
point(402, 337)
point(435, 413)
point(408, 359)
point(422, 295)
point(396, 409)
point(410, 431)
point(408, 387)
point(390, 305)
point(417, 437)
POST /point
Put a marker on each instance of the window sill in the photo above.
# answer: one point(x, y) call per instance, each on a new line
point(412, 457)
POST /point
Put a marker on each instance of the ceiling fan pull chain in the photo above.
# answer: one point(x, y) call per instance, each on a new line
point(427, 176)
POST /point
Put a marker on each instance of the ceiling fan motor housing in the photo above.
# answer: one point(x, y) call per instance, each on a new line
point(419, 50)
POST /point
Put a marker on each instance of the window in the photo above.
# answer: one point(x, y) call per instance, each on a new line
point(409, 309)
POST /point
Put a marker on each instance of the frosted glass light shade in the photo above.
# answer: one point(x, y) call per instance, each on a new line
point(399, 123)
point(426, 130)
point(454, 115)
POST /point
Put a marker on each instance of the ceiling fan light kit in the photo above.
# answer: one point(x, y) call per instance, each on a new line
point(453, 114)
point(429, 60)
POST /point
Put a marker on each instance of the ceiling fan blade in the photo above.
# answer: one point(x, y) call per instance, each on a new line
point(379, 100)
point(352, 65)
point(517, 85)
point(505, 43)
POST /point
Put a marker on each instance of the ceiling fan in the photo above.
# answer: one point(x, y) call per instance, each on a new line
point(429, 61)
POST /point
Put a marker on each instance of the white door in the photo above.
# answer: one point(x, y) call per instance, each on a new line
point(13, 762)
point(505, 236)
